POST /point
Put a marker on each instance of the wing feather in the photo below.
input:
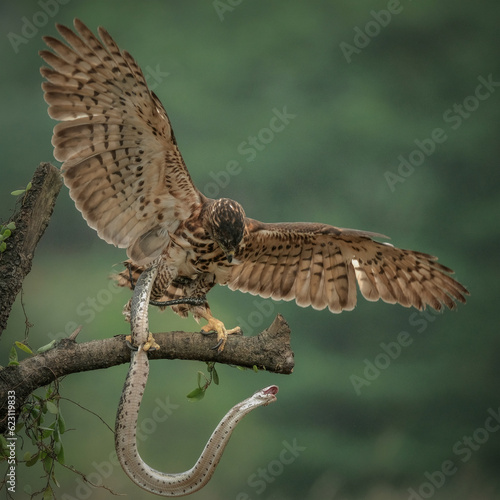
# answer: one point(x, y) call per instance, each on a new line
point(120, 157)
point(319, 265)
point(341, 280)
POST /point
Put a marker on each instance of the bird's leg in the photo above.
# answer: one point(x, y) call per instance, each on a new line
point(217, 326)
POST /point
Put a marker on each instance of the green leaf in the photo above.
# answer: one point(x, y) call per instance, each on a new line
point(200, 374)
point(48, 461)
point(52, 408)
point(23, 347)
point(215, 376)
point(255, 369)
point(48, 392)
point(46, 432)
point(61, 423)
point(34, 413)
point(197, 394)
point(32, 460)
point(5, 234)
point(13, 361)
point(3, 246)
point(39, 418)
point(48, 494)
point(47, 347)
point(11, 226)
point(3, 446)
point(17, 192)
point(60, 455)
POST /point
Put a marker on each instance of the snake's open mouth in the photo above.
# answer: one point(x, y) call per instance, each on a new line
point(272, 389)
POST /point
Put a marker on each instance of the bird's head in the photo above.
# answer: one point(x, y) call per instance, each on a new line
point(226, 224)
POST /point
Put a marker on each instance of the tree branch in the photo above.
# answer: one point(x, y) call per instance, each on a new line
point(31, 222)
point(270, 351)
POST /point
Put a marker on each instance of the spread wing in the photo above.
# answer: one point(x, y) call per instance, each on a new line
point(319, 265)
point(121, 161)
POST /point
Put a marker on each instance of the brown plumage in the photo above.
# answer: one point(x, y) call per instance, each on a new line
point(127, 177)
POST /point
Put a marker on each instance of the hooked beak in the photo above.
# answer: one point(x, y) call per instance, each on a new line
point(229, 256)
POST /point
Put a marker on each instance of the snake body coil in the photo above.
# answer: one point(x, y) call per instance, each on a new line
point(143, 475)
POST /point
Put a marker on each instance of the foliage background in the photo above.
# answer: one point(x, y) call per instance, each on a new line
point(220, 80)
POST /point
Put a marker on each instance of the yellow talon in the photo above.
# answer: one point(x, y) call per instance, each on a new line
point(150, 344)
point(214, 325)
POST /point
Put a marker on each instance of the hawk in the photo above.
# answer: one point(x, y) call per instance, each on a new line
point(127, 177)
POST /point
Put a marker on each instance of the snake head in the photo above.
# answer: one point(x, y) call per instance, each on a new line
point(267, 395)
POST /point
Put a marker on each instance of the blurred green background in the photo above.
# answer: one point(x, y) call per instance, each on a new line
point(364, 81)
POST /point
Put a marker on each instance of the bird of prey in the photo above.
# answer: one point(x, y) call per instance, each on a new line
point(127, 177)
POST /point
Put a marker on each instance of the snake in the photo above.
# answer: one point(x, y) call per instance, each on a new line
point(149, 479)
